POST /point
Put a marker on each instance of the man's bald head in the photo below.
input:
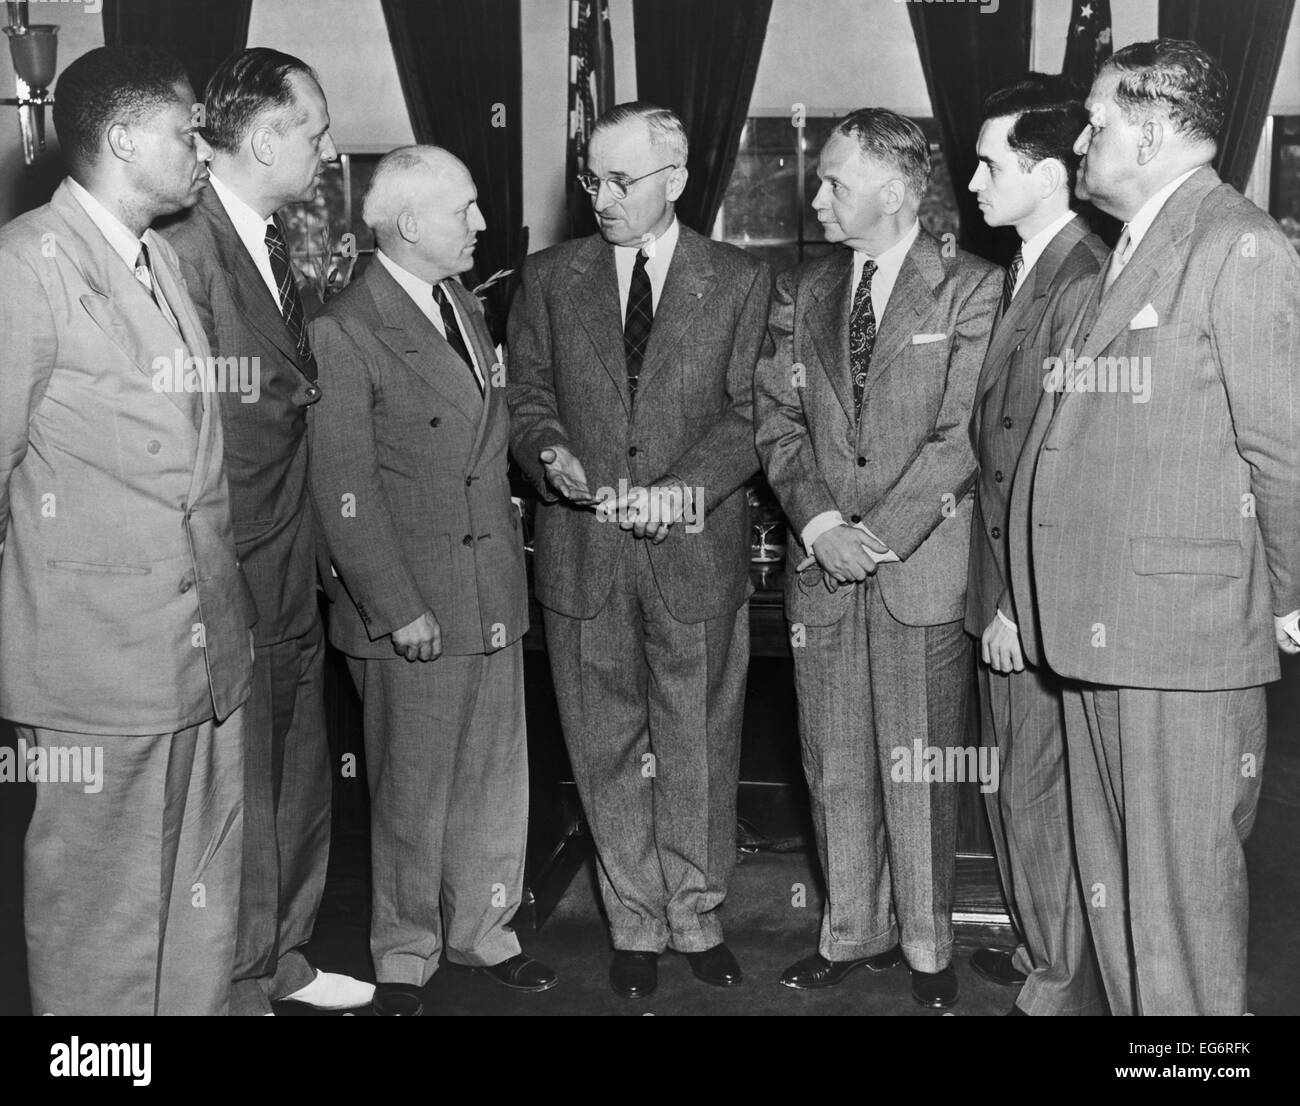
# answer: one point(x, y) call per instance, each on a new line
point(423, 207)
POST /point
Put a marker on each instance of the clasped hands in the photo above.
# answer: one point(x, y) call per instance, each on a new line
point(846, 555)
point(647, 512)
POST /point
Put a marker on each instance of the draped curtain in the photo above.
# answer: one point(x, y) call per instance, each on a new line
point(1247, 37)
point(966, 53)
point(699, 58)
point(201, 33)
point(461, 67)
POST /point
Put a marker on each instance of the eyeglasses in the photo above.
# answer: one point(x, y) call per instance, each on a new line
point(617, 187)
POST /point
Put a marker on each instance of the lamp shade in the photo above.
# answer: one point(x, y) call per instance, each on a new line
point(35, 53)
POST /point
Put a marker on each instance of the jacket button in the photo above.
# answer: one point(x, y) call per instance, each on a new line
point(468, 539)
point(186, 584)
point(154, 446)
point(468, 481)
point(855, 519)
point(996, 533)
point(434, 423)
point(997, 476)
point(313, 394)
point(631, 451)
point(1007, 422)
point(862, 462)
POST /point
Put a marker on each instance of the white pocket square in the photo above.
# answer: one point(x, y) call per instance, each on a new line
point(918, 339)
point(1144, 319)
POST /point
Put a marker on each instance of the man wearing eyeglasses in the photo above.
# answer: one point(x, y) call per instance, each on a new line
point(632, 358)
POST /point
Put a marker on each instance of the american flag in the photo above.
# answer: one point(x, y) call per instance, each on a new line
point(591, 92)
point(1088, 43)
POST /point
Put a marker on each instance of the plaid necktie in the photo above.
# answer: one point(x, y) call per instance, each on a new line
point(862, 333)
point(1009, 281)
point(636, 325)
point(455, 338)
point(295, 318)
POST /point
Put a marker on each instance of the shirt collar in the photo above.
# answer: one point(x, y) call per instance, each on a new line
point(125, 244)
point(1146, 214)
point(416, 287)
point(1032, 249)
point(890, 260)
point(249, 225)
point(662, 247)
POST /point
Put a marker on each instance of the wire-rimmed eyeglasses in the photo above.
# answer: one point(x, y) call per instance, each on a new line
point(617, 186)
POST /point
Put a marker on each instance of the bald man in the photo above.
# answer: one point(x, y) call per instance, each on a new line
point(409, 474)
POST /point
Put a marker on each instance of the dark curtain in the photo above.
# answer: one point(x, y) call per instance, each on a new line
point(1247, 37)
point(461, 67)
point(202, 33)
point(699, 58)
point(967, 52)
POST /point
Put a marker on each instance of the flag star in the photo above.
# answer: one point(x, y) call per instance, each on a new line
point(1086, 11)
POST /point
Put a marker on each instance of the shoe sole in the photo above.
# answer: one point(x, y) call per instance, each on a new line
point(874, 969)
point(536, 990)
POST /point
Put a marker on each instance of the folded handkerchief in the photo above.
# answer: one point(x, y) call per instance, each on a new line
point(918, 339)
point(1144, 319)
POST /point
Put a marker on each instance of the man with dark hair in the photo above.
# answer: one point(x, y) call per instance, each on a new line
point(268, 123)
point(124, 618)
point(863, 407)
point(1160, 485)
point(632, 360)
point(1026, 170)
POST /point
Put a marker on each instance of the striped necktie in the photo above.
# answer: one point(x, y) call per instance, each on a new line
point(291, 309)
point(1013, 275)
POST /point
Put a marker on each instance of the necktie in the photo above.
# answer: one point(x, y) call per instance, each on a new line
point(295, 318)
point(1013, 275)
point(455, 338)
point(1119, 258)
point(144, 274)
point(862, 334)
point(636, 324)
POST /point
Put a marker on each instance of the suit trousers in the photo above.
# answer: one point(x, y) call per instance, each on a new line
point(652, 710)
point(868, 688)
point(132, 892)
point(447, 764)
point(1029, 816)
point(286, 821)
point(1164, 789)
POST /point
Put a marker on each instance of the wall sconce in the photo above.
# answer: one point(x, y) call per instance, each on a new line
point(34, 49)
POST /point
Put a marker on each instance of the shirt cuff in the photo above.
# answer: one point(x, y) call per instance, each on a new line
point(1007, 621)
point(819, 525)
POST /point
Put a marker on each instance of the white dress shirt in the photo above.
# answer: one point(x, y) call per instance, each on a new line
point(251, 228)
point(421, 291)
point(1032, 249)
point(659, 255)
point(888, 265)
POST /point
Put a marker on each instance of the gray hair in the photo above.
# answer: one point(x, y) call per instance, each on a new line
point(894, 139)
point(667, 132)
point(396, 180)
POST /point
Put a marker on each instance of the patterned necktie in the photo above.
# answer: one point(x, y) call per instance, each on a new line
point(295, 318)
point(637, 323)
point(862, 333)
point(1119, 258)
point(455, 338)
point(1009, 281)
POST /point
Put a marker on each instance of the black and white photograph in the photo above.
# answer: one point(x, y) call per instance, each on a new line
point(690, 508)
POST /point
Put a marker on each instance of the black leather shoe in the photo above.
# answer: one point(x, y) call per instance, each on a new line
point(634, 974)
point(522, 973)
point(816, 971)
point(715, 966)
point(935, 989)
point(995, 966)
point(397, 1000)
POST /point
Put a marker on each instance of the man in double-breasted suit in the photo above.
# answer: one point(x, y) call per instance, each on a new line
point(1160, 492)
point(409, 459)
point(1024, 179)
point(124, 618)
point(268, 124)
point(632, 358)
point(863, 408)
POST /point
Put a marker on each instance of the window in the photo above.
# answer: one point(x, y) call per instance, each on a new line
point(767, 207)
point(315, 229)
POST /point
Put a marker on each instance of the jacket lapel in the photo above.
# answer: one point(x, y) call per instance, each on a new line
point(593, 292)
point(485, 353)
point(910, 303)
point(690, 279)
point(828, 321)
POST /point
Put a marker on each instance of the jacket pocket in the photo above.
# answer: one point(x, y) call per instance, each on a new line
point(1186, 556)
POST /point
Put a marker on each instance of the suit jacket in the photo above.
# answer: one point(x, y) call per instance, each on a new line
point(122, 607)
point(693, 416)
point(409, 472)
point(266, 440)
point(1164, 535)
point(905, 468)
point(1010, 387)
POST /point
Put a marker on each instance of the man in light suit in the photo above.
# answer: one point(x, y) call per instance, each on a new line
point(268, 125)
point(409, 453)
point(863, 409)
point(632, 358)
point(124, 619)
point(1163, 523)
point(1024, 179)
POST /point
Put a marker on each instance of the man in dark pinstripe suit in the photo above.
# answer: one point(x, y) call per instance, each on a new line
point(1025, 174)
point(1164, 533)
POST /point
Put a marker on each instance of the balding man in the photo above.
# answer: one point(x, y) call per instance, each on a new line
point(409, 473)
point(1160, 489)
